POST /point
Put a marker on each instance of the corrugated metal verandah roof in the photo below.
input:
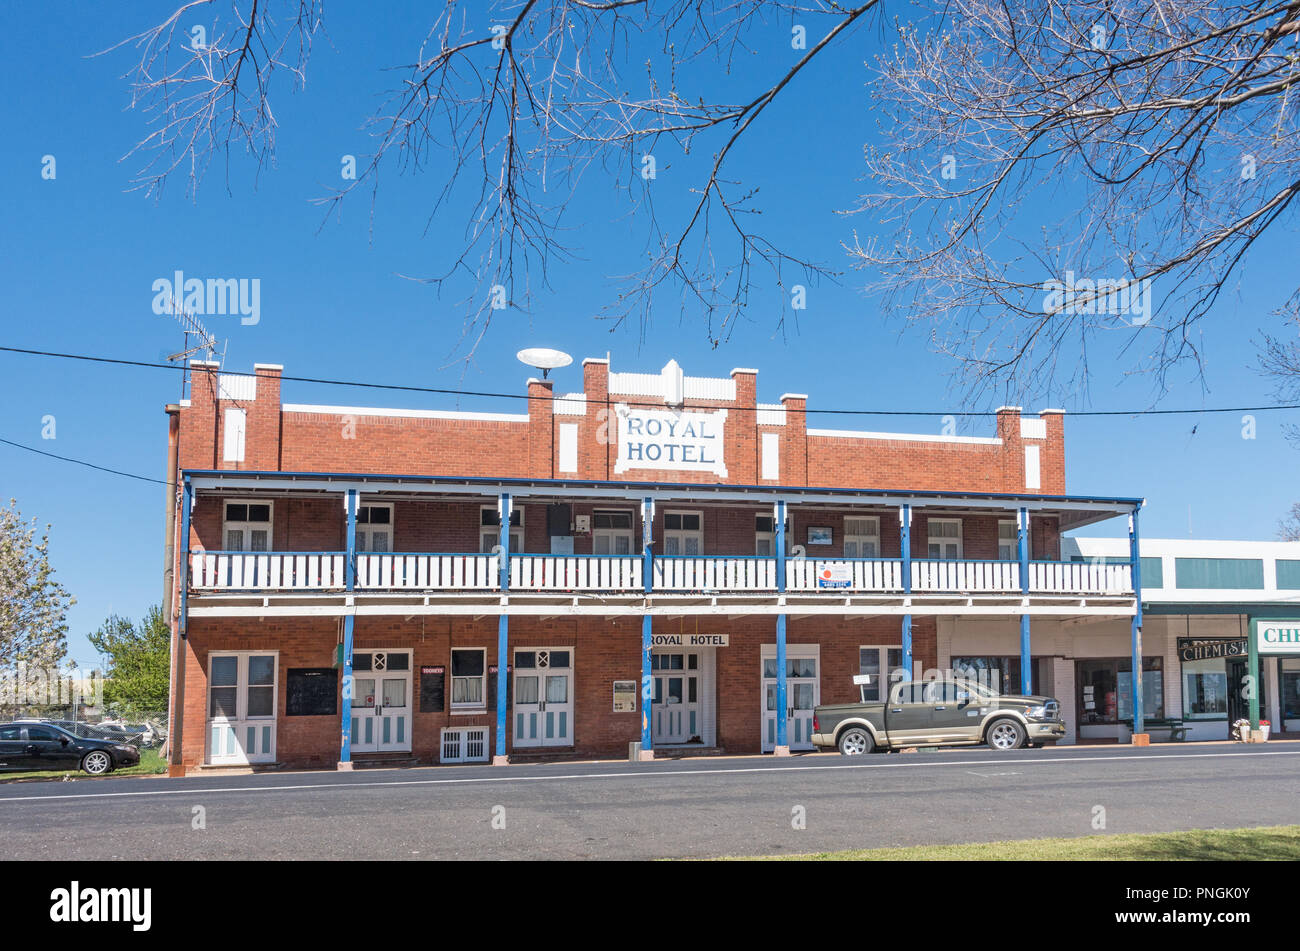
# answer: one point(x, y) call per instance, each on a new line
point(1074, 511)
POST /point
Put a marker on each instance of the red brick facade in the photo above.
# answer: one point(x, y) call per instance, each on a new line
point(526, 444)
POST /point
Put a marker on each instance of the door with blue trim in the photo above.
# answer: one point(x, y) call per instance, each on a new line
point(675, 712)
point(543, 699)
point(381, 701)
point(802, 694)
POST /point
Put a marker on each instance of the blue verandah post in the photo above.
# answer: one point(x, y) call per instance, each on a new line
point(503, 628)
point(905, 549)
point(1022, 553)
point(1135, 562)
point(647, 627)
point(782, 740)
point(349, 575)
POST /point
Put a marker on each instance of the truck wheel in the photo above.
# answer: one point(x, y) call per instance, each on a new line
point(855, 741)
point(1005, 735)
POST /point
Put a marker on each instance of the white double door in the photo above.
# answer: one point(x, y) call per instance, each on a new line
point(802, 694)
point(676, 711)
point(543, 697)
point(381, 701)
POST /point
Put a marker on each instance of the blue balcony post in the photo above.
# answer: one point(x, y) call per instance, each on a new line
point(1135, 562)
point(503, 629)
point(350, 578)
point(782, 746)
point(905, 546)
point(1022, 553)
point(647, 628)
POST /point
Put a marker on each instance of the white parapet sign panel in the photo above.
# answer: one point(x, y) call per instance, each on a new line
point(670, 439)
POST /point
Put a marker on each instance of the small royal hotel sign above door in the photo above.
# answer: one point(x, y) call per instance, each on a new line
point(668, 439)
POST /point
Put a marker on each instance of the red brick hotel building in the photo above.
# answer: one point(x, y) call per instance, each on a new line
point(658, 558)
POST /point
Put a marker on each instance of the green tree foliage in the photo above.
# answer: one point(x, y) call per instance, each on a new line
point(138, 661)
point(33, 606)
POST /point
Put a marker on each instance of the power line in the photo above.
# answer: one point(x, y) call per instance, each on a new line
point(82, 462)
point(523, 396)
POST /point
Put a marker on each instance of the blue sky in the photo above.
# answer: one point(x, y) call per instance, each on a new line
point(81, 253)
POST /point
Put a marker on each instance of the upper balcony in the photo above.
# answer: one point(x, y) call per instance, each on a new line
point(713, 549)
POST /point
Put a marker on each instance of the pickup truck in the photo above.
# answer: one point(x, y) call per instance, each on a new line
point(938, 713)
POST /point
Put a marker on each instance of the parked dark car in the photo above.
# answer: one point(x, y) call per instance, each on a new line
point(44, 746)
point(92, 731)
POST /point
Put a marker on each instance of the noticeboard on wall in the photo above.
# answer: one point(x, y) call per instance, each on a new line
point(311, 692)
point(625, 696)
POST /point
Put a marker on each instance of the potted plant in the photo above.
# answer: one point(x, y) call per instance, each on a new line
point(1264, 728)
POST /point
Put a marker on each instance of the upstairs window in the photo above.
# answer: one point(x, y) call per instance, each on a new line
point(489, 535)
point(944, 538)
point(248, 526)
point(1008, 542)
point(862, 537)
point(683, 533)
point(611, 533)
point(764, 535)
point(375, 528)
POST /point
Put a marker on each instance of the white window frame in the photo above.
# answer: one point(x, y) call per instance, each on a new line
point(246, 526)
point(1013, 542)
point(943, 540)
point(483, 677)
point(858, 539)
point(612, 533)
point(681, 534)
point(761, 536)
point(886, 675)
point(516, 531)
point(241, 685)
point(366, 532)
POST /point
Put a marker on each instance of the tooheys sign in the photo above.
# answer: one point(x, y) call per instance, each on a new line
point(665, 439)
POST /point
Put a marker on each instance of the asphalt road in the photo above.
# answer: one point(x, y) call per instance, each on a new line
point(667, 809)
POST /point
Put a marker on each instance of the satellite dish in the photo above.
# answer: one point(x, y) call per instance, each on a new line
point(544, 359)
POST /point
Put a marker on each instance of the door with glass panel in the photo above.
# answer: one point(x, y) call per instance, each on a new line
point(241, 707)
point(543, 701)
point(803, 689)
point(381, 701)
point(675, 712)
point(683, 533)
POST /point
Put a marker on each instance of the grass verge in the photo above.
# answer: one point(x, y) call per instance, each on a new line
point(1266, 843)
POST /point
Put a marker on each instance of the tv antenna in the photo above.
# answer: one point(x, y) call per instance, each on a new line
point(544, 359)
point(197, 340)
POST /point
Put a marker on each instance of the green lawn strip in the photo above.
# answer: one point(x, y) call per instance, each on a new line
point(151, 764)
point(1265, 843)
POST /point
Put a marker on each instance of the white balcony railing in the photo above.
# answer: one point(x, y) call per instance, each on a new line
point(1081, 577)
point(848, 574)
point(576, 573)
point(398, 571)
point(931, 575)
point(267, 571)
point(722, 573)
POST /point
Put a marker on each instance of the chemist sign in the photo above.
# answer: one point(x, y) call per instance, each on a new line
point(667, 439)
point(1276, 636)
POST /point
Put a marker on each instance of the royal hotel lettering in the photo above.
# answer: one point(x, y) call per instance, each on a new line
point(661, 439)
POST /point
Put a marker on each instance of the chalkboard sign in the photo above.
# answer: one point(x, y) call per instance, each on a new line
point(311, 692)
point(433, 689)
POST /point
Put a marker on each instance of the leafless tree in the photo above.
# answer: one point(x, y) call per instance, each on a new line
point(1288, 528)
point(524, 101)
point(1113, 146)
point(1096, 144)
